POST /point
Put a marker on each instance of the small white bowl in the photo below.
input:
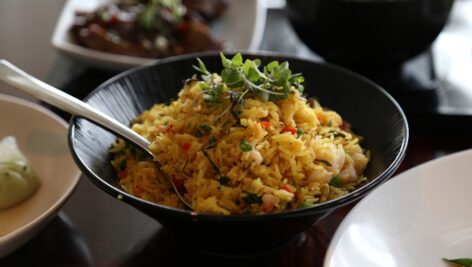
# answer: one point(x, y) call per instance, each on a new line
point(241, 27)
point(42, 137)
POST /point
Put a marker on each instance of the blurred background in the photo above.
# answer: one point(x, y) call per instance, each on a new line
point(26, 28)
point(420, 51)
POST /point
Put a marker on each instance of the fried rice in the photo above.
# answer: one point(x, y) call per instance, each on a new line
point(270, 157)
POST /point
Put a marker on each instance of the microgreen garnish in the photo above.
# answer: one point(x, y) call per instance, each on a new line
point(464, 262)
point(242, 78)
point(245, 146)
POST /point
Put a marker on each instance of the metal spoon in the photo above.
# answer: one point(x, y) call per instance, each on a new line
point(55, 97)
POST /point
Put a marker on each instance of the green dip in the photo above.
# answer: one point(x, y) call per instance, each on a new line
point(17, 180)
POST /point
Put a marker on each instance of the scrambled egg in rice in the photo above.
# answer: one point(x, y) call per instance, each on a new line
point(261, 157)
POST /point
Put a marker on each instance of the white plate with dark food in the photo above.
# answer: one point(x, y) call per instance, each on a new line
point(122, 35)
point(418, 218)
point(37, 172)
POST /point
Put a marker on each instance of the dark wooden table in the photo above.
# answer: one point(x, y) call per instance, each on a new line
point(94, 229)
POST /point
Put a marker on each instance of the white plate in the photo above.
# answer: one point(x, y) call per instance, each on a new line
point(42, 137)
point(241, 26)
point(415, 219)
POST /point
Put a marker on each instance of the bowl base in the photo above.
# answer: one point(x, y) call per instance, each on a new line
point(296, 241)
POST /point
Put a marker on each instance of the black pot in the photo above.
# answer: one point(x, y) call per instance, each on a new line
point(371, 111)
point(363, 34)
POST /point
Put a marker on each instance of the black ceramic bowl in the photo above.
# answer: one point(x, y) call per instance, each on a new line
point(368, 33)
point(371, 111)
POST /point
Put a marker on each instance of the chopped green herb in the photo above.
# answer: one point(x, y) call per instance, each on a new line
point(299, 132)
point(252, 199)
point(305, 205)
point(211, 142)
point(205, 128)
point(224, 180)
point(245, 146)
point(336, 181)
point(464, 262)
point(202, 130)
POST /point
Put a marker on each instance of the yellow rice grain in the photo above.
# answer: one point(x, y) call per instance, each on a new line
point(292, 170)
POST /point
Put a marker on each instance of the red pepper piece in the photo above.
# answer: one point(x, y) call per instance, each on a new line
point(286, 188)
point(122, 174)
point(265, 124)
point(290, 129)
point(186, 147)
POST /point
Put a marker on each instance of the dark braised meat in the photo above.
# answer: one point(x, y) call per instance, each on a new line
point(151, 29)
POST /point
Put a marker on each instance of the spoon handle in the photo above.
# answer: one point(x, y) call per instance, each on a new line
point(55, 97)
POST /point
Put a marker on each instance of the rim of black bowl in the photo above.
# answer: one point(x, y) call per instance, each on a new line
point(188, 214)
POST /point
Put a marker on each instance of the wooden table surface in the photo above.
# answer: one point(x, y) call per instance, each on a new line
point(94, 229)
